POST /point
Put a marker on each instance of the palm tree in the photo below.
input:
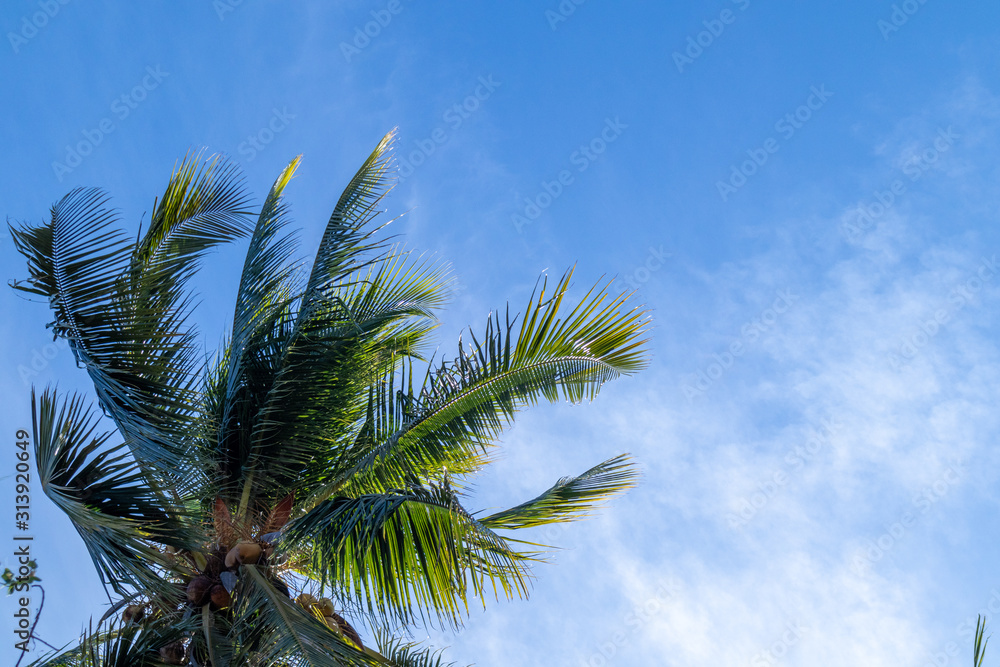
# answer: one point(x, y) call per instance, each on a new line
point(261, 498)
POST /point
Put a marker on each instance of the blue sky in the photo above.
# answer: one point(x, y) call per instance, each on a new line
point(805, 197)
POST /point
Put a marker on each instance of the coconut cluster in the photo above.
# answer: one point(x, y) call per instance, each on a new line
point(215, 571)
point(173, 654)
point(207, 587)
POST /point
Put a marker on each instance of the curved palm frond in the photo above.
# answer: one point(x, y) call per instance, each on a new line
point(114, 644)
point(271, 629)
point(122, 305)
point(203, 206)
point(370, 328)
point(105, 495)
point(570, 498)
point(348, 238)
point(361, 305)
point(261, 324)
point(400, 653)
point(465, 405)
point(409, 553)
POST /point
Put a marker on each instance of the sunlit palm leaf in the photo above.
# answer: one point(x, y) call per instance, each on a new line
point(409, 552)
point(362, 330)
point(204, 205)
point(407, 654)
point(348, 237)
point(570, 498)
point(464, 405)
point(347, 246)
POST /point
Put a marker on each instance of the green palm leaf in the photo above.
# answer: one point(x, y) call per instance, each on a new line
point(204, 205)
point(409, 552)
point(105, 495)
point(114, 644)
point(348, 238)
point(360, 307)
point(260, 330)
point(570, 498)
point(273, 630)
point(465, 404)
point(122, 305)
point(401, 653)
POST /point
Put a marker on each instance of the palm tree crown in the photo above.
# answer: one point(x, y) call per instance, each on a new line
point(313, 471)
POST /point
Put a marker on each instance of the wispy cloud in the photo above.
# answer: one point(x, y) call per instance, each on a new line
point(877, 462)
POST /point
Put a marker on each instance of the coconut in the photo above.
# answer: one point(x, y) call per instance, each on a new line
point(213, 567)
point(306, 600)
point(325, 606)
point(341, 626)
point(173, 654)
point(133, 613)
point(244, 553)
point(198, 590)
point(220, 597)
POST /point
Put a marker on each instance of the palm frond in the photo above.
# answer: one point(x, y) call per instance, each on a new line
point(327, 351)
point(370, 328)
point(409, 553)
point(347, 237)
point(465, 404)
point(203, 206)
point(570, 498)
point(321, 387)
point(400, 653)
point(122, 305)
point(273, 630)
point(115, 644)
point(979, 648)
point(105, 495)
point(261, 325)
